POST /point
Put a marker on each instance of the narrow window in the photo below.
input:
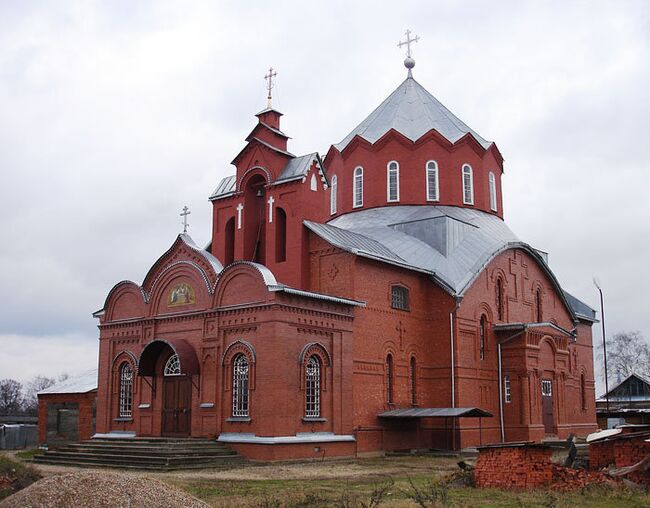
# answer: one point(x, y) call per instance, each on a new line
point(499, 299)
point(432, 181)
point(414, 398)
point(399, 297)
point(229, 240)
point(583, 392)
point(392, 182)
point(389, 379)
point(280, 235)
point(173, 366)
point(313, 185)
point(126, 390)
point(468, 185)
point(538, 305)
point(312, 387)
point(493, 192)
point(481, 341)
point(357, 187)
point(333, 191)
point(240, 386)
point(506, 389)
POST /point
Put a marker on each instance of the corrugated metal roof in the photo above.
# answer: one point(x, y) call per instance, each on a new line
point(435, 412)
point(412, 111)
point(297, 167)
point(580, 308)
point(83, 383)
point(213, 261)
point(225, 188)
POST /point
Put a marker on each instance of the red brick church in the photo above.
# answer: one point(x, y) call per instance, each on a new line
point(369, 300)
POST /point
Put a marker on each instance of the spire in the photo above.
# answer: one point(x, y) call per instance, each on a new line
point(269, 85)
point(409, 63)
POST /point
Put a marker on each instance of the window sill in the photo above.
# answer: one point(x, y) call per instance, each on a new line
point(239, 419)
point(123, 419)
point(308, 419)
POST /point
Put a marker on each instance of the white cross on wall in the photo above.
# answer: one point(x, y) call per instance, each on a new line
point(271, 201)
point(240, 208)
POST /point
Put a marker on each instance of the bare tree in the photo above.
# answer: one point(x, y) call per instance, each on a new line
point(627, 353)
point(11, 399)
point(37, 384)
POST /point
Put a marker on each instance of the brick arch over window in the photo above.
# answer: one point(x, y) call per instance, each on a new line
point(250, 173)
point(311, 349)
point(232, 351)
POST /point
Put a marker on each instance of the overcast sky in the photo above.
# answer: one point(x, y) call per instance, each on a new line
point(116, 114)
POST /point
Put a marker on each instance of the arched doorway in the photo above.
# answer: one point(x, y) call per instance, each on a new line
point(171, 365)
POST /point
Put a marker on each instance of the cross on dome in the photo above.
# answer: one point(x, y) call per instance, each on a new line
point(409, 63)
point(184, 214)
point(269, 83)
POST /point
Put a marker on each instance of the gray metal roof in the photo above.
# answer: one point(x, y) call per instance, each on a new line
point(213, 261)
point(83, 383)
point(452, 244)
point(296, 167)
point(225, 188)
point(435, 412)
point(412, 111)
point(581, 309)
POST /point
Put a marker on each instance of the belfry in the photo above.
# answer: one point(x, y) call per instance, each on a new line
point(369, 300)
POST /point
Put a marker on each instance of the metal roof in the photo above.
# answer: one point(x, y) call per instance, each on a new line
point(212, 260)
point(225, 188)
point(317, 296)
point(499, 327)
point(83, 383)
point(296, 167)
point(412, 111)
point(581, 309)
point(435, 412)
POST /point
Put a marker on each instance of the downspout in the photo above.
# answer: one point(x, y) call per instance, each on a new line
point(452, 316)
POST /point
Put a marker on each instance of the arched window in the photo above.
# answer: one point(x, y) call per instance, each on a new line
point(499, 298)
point(413, 376)
point(392, 181)
point(389, 379)
point(357, 188)
point(583, 392)
point(538, 305)
point(240, 371)
point(280, 235)
point(312, 387)
point(482, 336)
point(432, 181)
point(173, 366)
point(493, 191)
point(468, 185)
point(229, 240)
point(333, 197)
point(126, 390)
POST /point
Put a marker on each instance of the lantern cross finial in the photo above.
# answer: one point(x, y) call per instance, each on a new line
point(184, 214)
point(269, 83)
point(409, 63)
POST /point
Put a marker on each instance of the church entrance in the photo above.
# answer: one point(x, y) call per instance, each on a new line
point(177, 403)
point(547, 406)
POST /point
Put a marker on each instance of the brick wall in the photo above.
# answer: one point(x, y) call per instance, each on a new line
point(86, 403)
point(518, 467)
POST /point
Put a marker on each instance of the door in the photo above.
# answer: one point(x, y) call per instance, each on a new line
point(177, 399)
point(547, 406)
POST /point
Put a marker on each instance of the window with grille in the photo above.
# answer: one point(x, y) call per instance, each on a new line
point(392, 181)
point(547, 387)
point(389, 379)
point(240, 371)
point(468, 185)
point(126, 391)
point(312, 387)
point(506, 389)
point(493, 191)
point(414, 398)
point(357, 187)
point(399, 297)
point(481, 340)
point(432, 181)
point(173, 366)
point(499, 299)
point(333, 191)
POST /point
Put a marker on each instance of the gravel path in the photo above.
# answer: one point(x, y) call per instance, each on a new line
point(100, 489)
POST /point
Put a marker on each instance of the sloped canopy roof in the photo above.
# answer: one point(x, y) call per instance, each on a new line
point(436, 412)
point(412, 111)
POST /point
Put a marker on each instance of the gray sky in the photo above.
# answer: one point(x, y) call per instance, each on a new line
point(116, 114)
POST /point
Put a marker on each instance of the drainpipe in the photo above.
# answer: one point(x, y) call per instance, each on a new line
point(452, 315)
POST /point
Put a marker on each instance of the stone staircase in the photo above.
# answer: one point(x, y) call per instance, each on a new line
point(154, 454)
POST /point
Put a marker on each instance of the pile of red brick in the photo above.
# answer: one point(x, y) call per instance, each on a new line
point(519, 466)
point(566, 478)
